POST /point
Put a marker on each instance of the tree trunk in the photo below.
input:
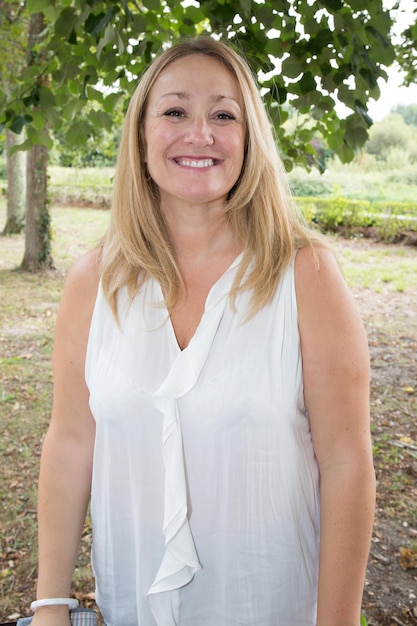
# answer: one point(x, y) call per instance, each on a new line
point(38, 228)
point(16, 177)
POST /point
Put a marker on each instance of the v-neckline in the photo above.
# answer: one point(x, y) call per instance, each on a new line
point(210, 296)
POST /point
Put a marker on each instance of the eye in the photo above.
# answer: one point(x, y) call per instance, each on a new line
point(223, 116)
point(174, 113)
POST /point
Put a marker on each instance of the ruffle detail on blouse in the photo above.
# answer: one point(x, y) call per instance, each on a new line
point(180, 561)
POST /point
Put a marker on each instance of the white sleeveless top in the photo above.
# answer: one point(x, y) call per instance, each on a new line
point(205, 495)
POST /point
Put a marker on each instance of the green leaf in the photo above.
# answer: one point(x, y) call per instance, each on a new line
point(66, 72)
point(71, 109)
point(108, 36)
point(335, 141)
point(222, 14)
point(38, 120)
point(6, 115)
point(363, 112)
point(345, 154)
point(46, 97)
point(32, 99)
point(153, 5)
point(19, 122)
point(95, 94)
point(39, 136)
point(72, 39)
point(357, 5)
point(139, 24)
point(95, 24)
point(37, 6)
point(65, 22)
point(50, 12)
point(333, 5)
point(246, 6)
point(355, 132)
point(109, 65)
point(346, 95)
point(194, 14)
point(369, 77)
point(276, 47)
point(305, 134)
point(100, 119)
point(111, 101)
point(356, 137)
point(307, 83)
point(120, 43)
point(277, 93)
point(320, 41)
point(292, 67)
point(21, 147)
point(322, 107)
point(78, 134)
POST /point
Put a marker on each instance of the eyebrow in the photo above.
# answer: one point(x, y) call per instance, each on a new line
point(182, 95)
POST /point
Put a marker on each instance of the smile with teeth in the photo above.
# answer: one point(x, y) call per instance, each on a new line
point(196, 162)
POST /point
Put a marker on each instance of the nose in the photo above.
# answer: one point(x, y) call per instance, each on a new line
point(199, 132)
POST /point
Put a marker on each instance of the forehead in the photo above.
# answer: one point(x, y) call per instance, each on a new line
point(196, 73)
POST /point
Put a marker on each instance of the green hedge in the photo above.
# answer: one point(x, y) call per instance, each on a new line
point(384, 221)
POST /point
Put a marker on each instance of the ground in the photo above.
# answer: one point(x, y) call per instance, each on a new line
point(28, 307)
point(391, 585)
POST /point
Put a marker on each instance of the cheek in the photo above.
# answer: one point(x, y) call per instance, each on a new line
point(158, 138)
point(236, 141)
point(239, 152)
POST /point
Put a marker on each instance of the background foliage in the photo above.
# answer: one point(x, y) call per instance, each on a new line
point(313, 55)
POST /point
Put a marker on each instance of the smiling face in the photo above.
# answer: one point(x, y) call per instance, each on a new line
point(195, 132)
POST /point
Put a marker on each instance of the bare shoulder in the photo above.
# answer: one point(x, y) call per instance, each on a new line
point(81, 286)
point(316, 267)
point(332, 333)
point(320, 285)
point(83, 277)
point(77, 304)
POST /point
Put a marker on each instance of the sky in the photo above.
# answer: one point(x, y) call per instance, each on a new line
point(392, 93)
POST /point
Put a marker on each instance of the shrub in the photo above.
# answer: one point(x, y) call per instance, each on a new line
point(383, 221)
point(301, 186)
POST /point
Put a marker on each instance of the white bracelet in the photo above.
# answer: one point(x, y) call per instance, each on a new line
point(70, 602)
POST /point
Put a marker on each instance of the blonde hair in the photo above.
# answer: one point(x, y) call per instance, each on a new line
point(259, 209)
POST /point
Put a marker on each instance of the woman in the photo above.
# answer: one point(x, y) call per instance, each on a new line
point(211, 381)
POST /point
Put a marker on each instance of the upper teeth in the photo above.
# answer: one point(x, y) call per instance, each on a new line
point(201, 163)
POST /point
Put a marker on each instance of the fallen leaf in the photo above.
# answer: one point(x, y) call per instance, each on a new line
point(408, 558)
point(405, 439)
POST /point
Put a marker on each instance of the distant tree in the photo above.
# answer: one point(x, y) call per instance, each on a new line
point(12, 55)
point(390, 134)
point(408, 112)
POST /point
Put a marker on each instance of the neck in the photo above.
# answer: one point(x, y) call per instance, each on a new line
point(201, 234)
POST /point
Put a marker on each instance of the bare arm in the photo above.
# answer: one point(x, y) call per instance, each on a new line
point(66, 461)
point(336, 386)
